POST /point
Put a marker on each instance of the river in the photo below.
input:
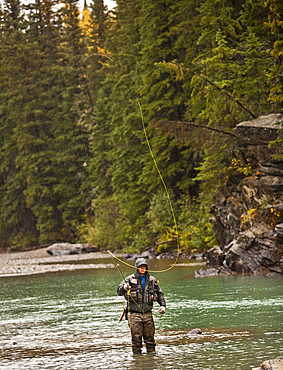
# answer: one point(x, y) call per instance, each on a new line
point(69, 320)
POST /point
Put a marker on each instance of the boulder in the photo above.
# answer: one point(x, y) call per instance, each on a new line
point(89, 248)
point(62, 249)
point(276, 364)
point(148, 254)
point(197, 256)
point(203, 272)
point(195, 332)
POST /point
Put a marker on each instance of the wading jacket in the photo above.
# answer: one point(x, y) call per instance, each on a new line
point(140, 300)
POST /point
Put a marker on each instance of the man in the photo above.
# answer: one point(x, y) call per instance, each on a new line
point(141, 290)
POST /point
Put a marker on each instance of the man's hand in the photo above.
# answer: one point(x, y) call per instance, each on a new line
point(161, 310)
point(126, 287)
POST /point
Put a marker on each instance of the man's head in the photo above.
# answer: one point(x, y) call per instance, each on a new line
point(141, 266)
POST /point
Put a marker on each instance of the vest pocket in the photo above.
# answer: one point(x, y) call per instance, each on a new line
point(135, 296)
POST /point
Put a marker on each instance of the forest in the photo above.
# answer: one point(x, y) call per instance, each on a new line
point(90, 102)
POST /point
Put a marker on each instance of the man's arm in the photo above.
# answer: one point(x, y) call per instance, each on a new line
point(123, 287)
point(161, 300)
point(160, 297)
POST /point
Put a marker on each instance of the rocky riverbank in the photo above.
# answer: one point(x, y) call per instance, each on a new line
point(40, 261)
point(65, 256)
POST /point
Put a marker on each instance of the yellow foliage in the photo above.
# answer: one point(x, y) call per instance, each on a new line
point(236, 164)
point(85, 22)
point(249, 216)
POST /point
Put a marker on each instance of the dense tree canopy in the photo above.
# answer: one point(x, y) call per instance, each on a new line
point(76, 95)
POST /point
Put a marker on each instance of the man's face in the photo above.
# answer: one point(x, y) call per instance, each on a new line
point(142, 270)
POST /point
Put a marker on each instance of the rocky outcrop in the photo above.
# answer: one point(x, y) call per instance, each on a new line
point(215, 256)
point(248, 213)
point(276, 364)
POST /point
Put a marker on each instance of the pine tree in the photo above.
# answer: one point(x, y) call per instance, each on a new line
point(164, 95)
point(275, 22)
point(85, 20)
point(116, 161)
point(96, 58)
point(126, 160)
point(17, 222)
point(47, 140)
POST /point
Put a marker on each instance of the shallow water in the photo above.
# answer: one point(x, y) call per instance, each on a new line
point(69, 320)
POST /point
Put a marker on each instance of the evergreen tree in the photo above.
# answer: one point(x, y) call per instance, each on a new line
point(164, 96)
point(17, 222)
point(167, 64)
point(116, 146)
point(128, 165)
point(99, 22)
point(275, 22)
point(85, 20)
point(48, 141)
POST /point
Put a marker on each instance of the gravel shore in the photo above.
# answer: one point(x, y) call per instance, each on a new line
point(39, 261)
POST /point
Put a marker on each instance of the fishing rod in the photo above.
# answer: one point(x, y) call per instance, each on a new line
point(123, 277)
point(128, 296)
point(118, 268)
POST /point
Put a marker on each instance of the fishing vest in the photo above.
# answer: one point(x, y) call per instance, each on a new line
point(140, 300)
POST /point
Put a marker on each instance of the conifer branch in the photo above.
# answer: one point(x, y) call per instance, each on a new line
point(89, 94)
point(228, 95)
point(201, 126)
point(179, 69)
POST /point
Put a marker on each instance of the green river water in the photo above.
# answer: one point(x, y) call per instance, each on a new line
point(69, 320)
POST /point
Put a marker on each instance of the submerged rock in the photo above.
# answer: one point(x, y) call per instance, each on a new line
point(276, 364)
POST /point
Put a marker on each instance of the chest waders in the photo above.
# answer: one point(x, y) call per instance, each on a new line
point(141, 325)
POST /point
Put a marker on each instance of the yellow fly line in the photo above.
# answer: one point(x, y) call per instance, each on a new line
point(159, 173)
point(169, 200)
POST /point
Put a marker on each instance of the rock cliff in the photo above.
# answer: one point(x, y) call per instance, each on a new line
point(248, 213)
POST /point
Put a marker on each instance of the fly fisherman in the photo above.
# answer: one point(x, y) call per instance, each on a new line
point(141, 290)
